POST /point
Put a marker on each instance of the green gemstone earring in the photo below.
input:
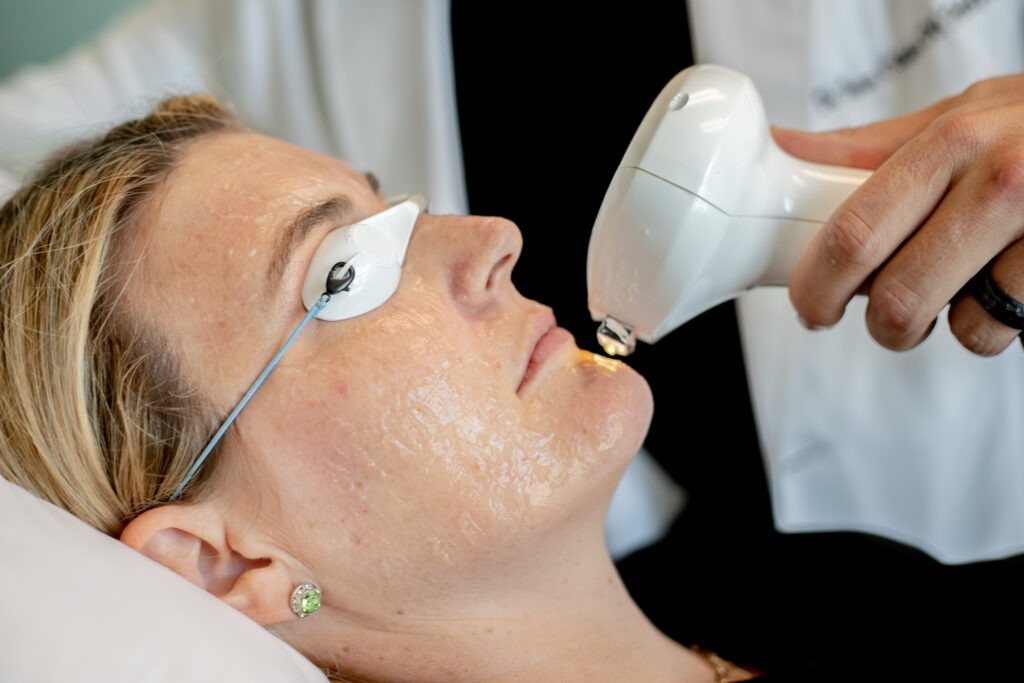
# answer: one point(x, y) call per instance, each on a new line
point(306, 600)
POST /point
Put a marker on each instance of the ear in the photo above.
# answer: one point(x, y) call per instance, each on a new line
point(194, 541)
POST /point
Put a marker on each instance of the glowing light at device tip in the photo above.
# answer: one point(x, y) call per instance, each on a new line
point(616, 338)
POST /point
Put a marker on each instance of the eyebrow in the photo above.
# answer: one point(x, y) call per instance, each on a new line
point(337, 208)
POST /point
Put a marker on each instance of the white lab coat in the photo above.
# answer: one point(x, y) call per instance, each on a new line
point(925, 446)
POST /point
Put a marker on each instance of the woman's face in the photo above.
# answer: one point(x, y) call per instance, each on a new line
point(444, 428)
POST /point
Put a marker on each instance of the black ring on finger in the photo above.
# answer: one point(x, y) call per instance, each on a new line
point(996, 302)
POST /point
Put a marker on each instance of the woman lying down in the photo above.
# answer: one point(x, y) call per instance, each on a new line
point(332, 411)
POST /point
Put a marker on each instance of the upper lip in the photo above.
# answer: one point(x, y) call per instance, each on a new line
point(541, 325)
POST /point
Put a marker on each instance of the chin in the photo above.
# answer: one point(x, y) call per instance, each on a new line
point(622, 396)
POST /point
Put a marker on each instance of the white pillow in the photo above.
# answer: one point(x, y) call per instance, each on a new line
point(77, 605)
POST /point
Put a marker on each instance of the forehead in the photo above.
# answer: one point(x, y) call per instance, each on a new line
point(232, 196)
point(230, 171)
point(209, 236)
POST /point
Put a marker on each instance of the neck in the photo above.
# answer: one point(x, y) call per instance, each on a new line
point(572, 621)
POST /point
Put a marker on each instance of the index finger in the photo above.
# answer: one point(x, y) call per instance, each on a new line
point(868, 228)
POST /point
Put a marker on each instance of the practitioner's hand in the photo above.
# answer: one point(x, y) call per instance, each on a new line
point(946, 198)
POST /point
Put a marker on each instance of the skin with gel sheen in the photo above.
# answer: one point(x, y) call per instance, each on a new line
point(402, 435)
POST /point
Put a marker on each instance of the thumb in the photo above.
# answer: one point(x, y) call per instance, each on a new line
point(860, 147)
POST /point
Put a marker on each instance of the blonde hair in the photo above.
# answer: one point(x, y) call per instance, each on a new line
point(95, 413)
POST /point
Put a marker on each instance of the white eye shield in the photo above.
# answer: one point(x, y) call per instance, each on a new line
point(359, 265)
point(354, 270)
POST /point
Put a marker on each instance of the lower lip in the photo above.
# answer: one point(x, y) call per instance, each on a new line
point(547, 346)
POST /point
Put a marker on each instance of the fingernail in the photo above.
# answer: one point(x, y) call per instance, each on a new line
point(809, 325)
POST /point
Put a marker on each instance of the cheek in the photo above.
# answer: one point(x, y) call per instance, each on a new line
point(406, 442)
point(480, 466)
point(412, 464)
point(399, 412)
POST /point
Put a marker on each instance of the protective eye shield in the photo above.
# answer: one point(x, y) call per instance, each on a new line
point(362, 262)
point(354, 270)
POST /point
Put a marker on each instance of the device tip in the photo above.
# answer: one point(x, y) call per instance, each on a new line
point(615, 337)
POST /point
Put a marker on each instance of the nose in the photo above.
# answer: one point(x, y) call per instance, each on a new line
point(477, 253)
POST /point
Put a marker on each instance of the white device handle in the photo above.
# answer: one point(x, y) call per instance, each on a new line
point(703, 207)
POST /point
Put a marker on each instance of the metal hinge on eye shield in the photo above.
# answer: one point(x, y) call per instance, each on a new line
point(363, 260)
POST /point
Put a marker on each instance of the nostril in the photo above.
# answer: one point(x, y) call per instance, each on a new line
point(478, 281)
point(499, 270)
point(490, 249)
point(504, 243)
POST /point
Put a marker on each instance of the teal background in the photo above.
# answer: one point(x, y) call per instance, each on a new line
point(37, 31)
